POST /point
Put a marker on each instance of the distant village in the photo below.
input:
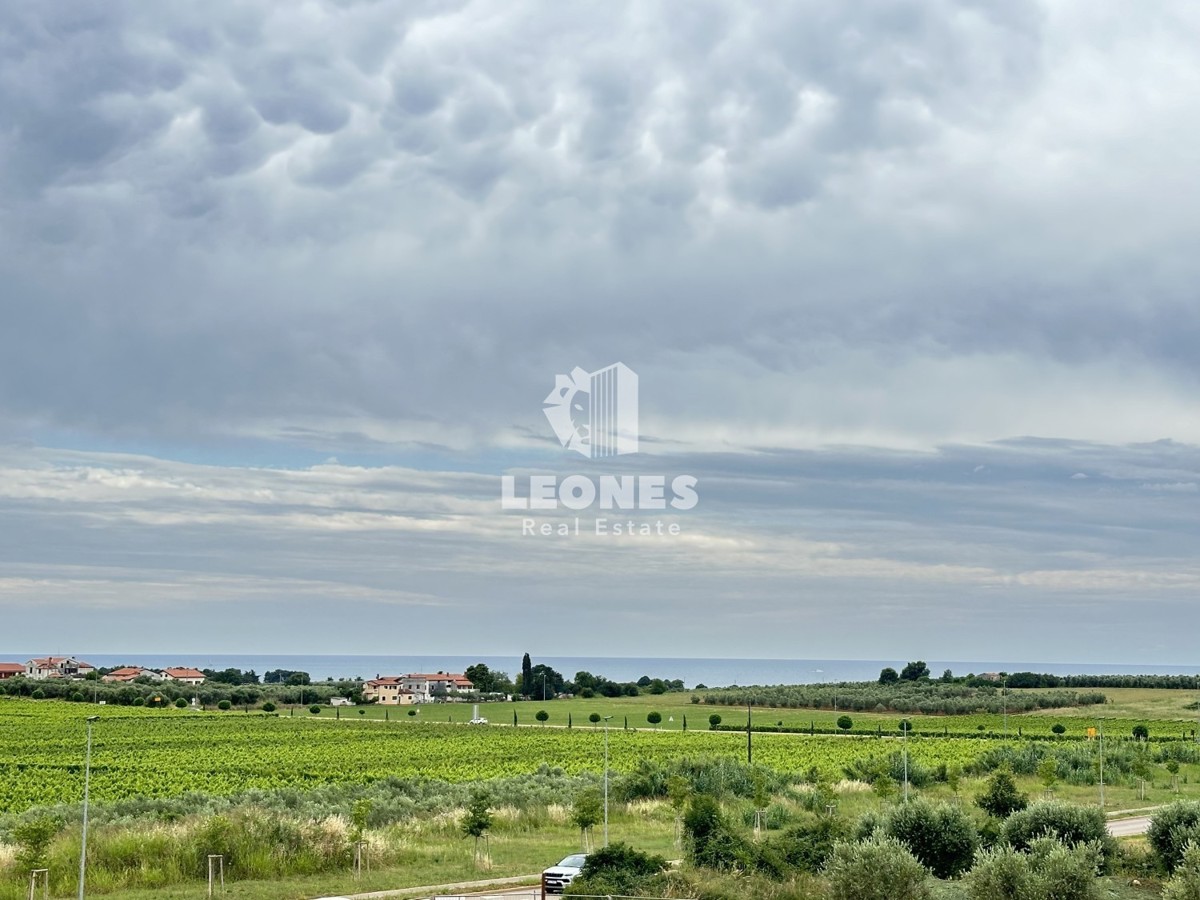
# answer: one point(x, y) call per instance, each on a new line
point(392, 690)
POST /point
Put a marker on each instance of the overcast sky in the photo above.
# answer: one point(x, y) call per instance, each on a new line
point(911, 289)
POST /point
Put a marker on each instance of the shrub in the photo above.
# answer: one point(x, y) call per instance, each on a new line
point(1058, 728)
point(880, 868)
point(1050, 871)
point(941, 837)
point(1001, 799)
point(33, 838)
point(542, 715)
point(808, 845)
point(139, 701)
point(1185, 883)
point(412, 712)
point(709, 840)
point(616, 869)
point(1062, 872)
point(180, 703)
point(76, 697)
point(1141, 732)
point(315, 710)
point(714, 720)
point(654, 717)
point(1066, 822)
point(224, 704)
point(1171, 829)
point(267, 707)
point(594, 718)
point(39, 694)
point(845, 723)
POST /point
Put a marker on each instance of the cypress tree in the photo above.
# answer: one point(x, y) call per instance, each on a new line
point(526, 675)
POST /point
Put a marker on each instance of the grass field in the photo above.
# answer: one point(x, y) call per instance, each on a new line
point(1164, 715)
point(166, 753)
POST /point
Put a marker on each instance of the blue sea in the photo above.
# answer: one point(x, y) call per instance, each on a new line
point(710, 672)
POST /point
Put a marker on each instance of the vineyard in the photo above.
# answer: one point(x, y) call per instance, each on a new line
point(167, 753)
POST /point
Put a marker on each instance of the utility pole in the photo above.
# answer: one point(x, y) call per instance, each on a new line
point(1101, 723)
point(749, 745)
point(1004, 703)
point(87, 777)
point(606, 718)
point(906, 725)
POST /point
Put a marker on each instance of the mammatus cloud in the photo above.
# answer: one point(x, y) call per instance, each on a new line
point(256, 236)
point(355, 225)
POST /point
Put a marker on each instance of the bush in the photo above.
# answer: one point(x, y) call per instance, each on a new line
point(542, 715)
point(845, 723)
point(224, 704)
point(180, 703)
point(1066, 822)
point(39, 694)
point(33, 838)
point(880, 868)
point(654, 717)
point(139, 701)
point(1185, 883)
point(269, 707)
point(616, 869)
point(1002, 874)
point(1171, 829)
point(412, 712)
point(1001, 799)
point(1065, 873)
point(1058, 728)
point(941, 837)
point(594, 718)
point(1141, 732)
point(315, 709)
point(710, 841)
point(714, 720)
point(808, 845)
point(1050, 871)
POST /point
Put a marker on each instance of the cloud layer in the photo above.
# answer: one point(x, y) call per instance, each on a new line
point(255, 236)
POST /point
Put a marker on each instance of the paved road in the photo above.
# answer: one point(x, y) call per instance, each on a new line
point(1129, 827)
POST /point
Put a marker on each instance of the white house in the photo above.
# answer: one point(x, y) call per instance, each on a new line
point(427, 688)
point(57, 667)
point(184, 675)
point(129, 673)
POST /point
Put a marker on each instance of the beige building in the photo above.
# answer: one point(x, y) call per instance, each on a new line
point(388, 692)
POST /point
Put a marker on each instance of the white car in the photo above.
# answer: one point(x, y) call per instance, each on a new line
point(556, 878)
point(478, 720)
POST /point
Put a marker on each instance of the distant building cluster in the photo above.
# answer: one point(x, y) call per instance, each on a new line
point(43, 667)
point(402, 690)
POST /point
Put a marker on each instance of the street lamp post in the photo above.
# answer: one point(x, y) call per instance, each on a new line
point(543, 687)
point(606, 718)
point(1004, 704)
point(87, 777)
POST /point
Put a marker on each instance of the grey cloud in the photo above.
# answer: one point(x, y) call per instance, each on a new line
point(388, 224)
point(817, 540)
